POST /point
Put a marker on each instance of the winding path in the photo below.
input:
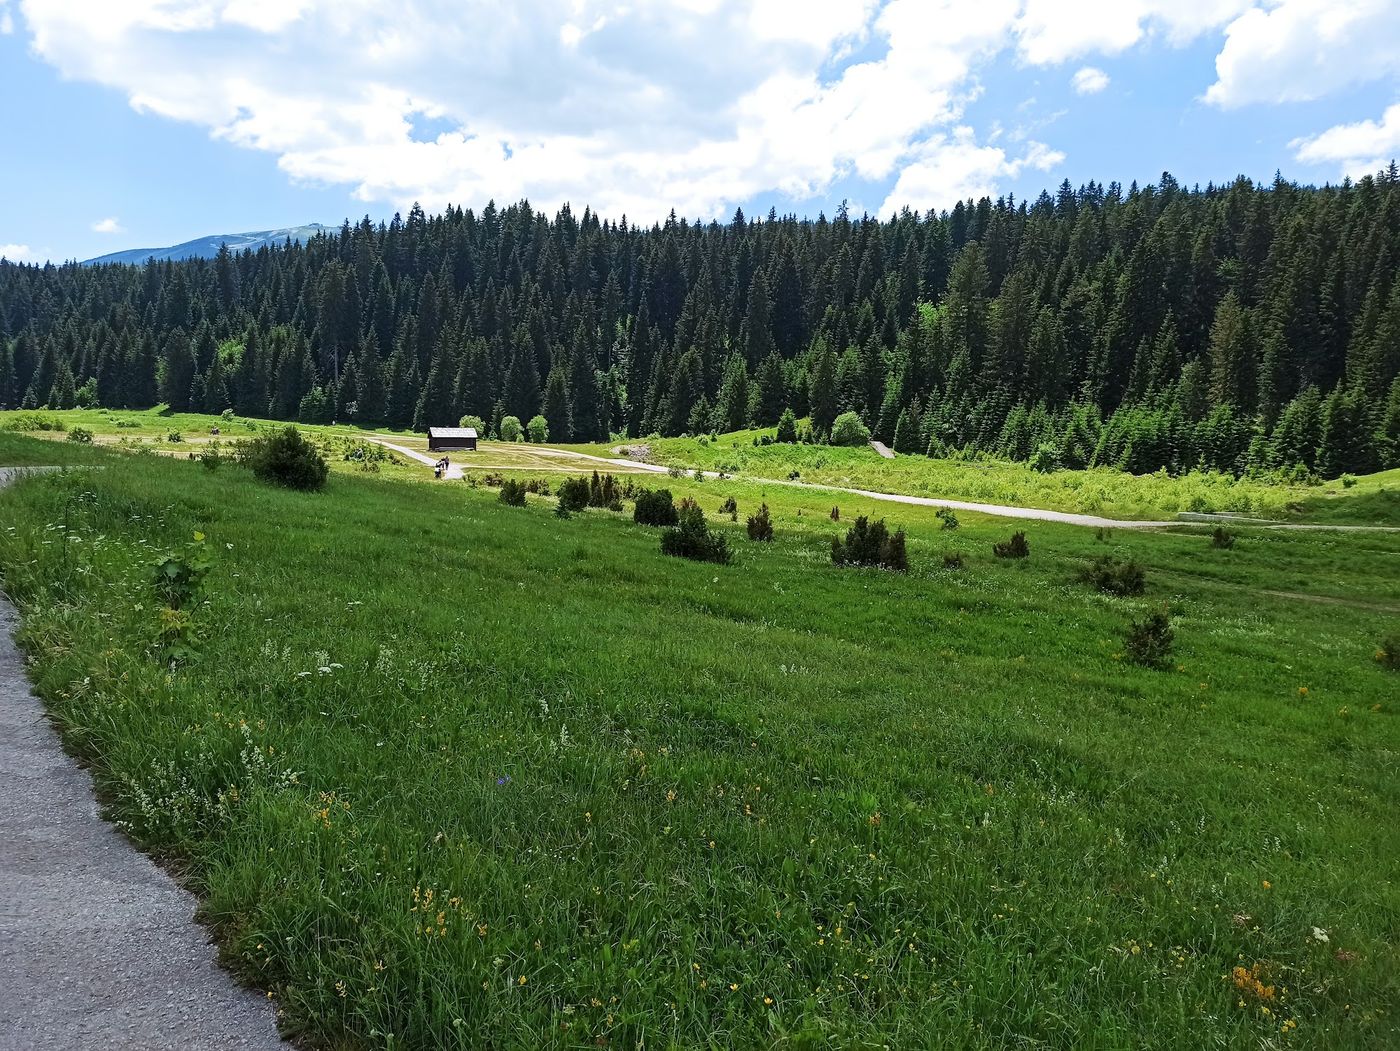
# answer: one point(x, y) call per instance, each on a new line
point(98, 946)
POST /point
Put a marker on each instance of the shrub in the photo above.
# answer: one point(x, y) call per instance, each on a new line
point(787, 427)
point(871, 545)
point(1115, 577)
point(127, 424)
point(1388, 654)
point(849, 430)
point(560, 511)
point(1016, 547)
point(285, 458)
point(1045, 459)
point(538, 429)
point(952, 561)
point(947, 517)
point(211, 456)
point(1222, 538)
point(34, 421)
point(512, 492)
point(511, 431)
point(604, 492)
point(1348, 480)
point(655, 508)
point(729, 507)
point(1149, 641)
point(1103, 535)
point(226, 415)
point(692, 539)
point(836, 514)
point(476, 423)
point(573, 494)
point(81, 435)
point(538, 486)
point(760, 525)
point(175, 437)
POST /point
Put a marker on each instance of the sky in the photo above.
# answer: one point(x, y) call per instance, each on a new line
point(145, 123)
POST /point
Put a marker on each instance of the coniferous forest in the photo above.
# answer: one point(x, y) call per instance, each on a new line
point(1238, 328)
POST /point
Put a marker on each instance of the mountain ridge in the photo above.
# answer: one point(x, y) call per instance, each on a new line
point(208, 247)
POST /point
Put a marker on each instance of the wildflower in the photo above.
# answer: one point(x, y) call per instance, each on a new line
point(733, 987)
point(1320, 935)
point(1268, 885)
point(1302, 691)
point(523, 979)
point(768, 1000)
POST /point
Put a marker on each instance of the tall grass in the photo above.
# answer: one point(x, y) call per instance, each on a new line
point(447, 773)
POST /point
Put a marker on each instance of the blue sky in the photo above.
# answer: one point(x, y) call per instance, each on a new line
point(151, 122)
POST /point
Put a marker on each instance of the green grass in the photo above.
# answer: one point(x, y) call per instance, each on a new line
point(452, 774)
point(1100, 491)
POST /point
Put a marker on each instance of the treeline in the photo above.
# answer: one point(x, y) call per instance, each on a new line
point(1240, 327)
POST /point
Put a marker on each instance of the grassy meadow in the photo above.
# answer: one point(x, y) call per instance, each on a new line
point(1099, 491)
point(447, 773)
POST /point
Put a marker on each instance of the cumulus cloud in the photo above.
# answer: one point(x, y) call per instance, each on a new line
point(1089, 81)
point(1299, 50)
point(630, 107)
point(16, 253)
point(952, 168)
point(108, 226)
point(1363, 148)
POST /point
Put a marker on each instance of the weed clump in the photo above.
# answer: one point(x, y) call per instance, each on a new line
point(946, 518)
point(871, 545)
point(1149, 641)
point(729, 507)
point(760, 525)
point(81, 435)
point(1016, 547)
point(836, 514)
point(691, 538)
point(655, 507)
point(1114, 576)
point(1222, 538)
point(1388, 653)
point(952, 561)
point(512, 492)
point(285, 458)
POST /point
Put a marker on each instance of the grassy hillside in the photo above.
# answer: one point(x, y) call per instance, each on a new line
point(448, 773)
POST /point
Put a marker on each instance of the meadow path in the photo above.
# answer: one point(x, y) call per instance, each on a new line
point(1038, 514)
point(98, 946)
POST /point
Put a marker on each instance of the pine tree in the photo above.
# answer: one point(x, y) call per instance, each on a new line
point(769, 394)
point(756, 336)
point(177, 372)
point(731, 411)
point(821, 391)
point(557, 410)
point(1232, 366)
point(216, 398)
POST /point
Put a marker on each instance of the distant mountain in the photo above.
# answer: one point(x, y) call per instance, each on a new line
point(208, 247)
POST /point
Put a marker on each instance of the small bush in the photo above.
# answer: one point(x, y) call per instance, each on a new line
point(511, 431)
point(1016, 547)
point(226, 415)
point(81, 435)
point(476, 423)
point(174, 437)
point(692, 539)
point(871, 545)
point(127, 424)
point(285, 458)
point(655, 507)
point(538, 486)
point(512, 492)
point(952, 561)
point(849, 430)
point(836, 514)
point(1222, 538)
point(1149, 641)
point(1348, 480)
point(574, 494)
point(1115, 577)
point(760, 525)
point(1103, 535)
point(729, 507)
point(560, 511)
point(34, 421)
point(604, 492)
point(1045, 459)
point(1388, 653)
point(947, 517)
point(211, 456)
point(538, 429)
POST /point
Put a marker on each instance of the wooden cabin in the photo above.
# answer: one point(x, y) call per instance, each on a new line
point(451, 439)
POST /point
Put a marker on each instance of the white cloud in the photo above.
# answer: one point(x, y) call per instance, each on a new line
point(1363, 148)
point(953, 168)
point(1089, 81)
point(1052, 31)
point(1298, 50)
point(16, 253)
point(628, 106)
point(108, 226)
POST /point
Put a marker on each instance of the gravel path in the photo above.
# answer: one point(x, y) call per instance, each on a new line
point(98, 946)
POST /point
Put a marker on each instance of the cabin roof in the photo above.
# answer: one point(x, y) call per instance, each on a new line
point(451, 432)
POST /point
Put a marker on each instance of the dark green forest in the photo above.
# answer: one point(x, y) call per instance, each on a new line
point(1242, 327)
